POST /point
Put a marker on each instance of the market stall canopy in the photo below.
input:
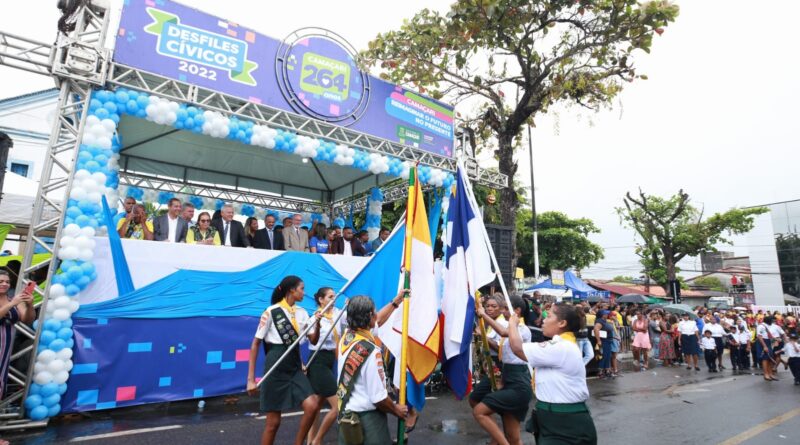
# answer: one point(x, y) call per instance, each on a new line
point(16, 206)
point(571, 282)
point(638, 298)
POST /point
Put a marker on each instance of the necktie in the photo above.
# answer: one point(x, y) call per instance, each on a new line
point(271, 243)
point(225, 233)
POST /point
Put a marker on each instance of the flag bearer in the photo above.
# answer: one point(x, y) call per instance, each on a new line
point(513, 399)
point(560, 415)
point(363, 398)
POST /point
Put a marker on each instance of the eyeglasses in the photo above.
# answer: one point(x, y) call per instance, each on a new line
point(204, 220)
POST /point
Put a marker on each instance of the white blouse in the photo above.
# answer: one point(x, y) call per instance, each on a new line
point(325, 326)
point(269, 333)
point(560, 375)
point(508, 355)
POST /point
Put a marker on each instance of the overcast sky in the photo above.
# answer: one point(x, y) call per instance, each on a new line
point(717, 117)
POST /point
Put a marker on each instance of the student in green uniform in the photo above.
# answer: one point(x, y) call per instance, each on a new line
point(287, 387)
point(363, 397)
point(324, 337)
point(560, 415)
point(513, 396)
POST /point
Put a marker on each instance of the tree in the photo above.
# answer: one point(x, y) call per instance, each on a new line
point(671, 229)
point(513, 59)
point(622, 279)
point(563, 242)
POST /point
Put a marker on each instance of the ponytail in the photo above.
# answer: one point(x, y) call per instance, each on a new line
point(287, 283)
point(321, 293)
point(576, 320)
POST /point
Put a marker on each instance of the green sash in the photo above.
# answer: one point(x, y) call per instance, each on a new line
point(358, 355)
point(285, 329)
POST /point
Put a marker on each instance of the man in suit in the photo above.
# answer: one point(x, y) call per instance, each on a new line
point(347, 244)
point(171, 227)
point(268, 238)
point(295, 237)
point(231, 232)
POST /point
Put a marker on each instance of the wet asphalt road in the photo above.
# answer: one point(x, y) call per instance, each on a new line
point(659, 406)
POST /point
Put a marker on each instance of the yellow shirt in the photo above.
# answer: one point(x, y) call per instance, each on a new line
point(590, 319)
point(190, 238)
point(135, 230)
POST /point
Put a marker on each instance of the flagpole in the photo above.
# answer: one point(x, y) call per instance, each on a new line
point(410, 214)
point(341, 313)
point(311, 326)
point(485, 356)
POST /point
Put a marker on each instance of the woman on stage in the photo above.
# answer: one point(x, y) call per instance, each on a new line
point(560, 416)
point(324, 337)
point(512, 400)
point(287, 387)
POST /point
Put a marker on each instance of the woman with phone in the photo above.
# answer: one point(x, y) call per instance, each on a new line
point(12, 310)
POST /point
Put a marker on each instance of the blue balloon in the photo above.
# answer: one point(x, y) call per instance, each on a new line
point(74, 272)
point(82, 221)
point(64, 333)
point(70, 343)
point(83, 281)
point(62, 388)
point(111, 107)
point(52, 399)
point(84, 156)
point(73, 290)
point(122, 96)
point(143, 101)
point(48, 389)
point(92, 166)
point(188, 123)
point(66, 323)
point(101, 113)
point(178, 124)
point(38, 413)
point(114, 117)
point(141, 113)
point(57, 344)
point(74, 212)
point(101, 159)
point(132, 107)
point(33, 401)
point(181, 114)
point(34, 389)
point(35, 324)
point(47, 337)
point(52, 325)
point(94, 104)
point(54, 410)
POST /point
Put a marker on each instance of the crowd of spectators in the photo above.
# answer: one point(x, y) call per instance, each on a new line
point(177, 225)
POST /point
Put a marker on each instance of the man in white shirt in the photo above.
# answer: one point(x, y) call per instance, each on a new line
point(188, 213)
point(231, 232)
point(171, 227)
point(709, 347)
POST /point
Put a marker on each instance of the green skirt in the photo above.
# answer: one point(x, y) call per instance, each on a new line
point(375, 426)
point(320, 374)
point(551, 427)
point(287, 387)
point(516, 394)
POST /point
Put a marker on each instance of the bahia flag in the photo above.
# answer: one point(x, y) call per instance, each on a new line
point(467, 268)
point(423, 327)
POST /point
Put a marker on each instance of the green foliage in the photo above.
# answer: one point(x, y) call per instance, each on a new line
point(671, 229)
point(788, 246)
point(622, 279)
point(563, 242)
point(516, 58)
point(709, 282)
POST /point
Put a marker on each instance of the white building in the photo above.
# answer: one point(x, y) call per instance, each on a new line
point(774, 247)
point(28, 119)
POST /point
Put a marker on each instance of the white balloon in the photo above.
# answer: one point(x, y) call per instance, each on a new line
point(61, 377)
point(83, 242)
point(67, 363)
point(104, 142)
point(73, 306)
point(92, 120)
point(67, 241)
point(61, 314)
point(99, 177)
point(55, 366)
point(39, 367)
point(43, 377)
point(69, 253)
point(77, 193)
point(82, 174)
point(61, 302)
point(85, 255)
point(57, 290)
point(95, 197)
point(49, 309)
point(46, 356)
point(64, 354)
point(109, 125)
point(72, 230)
point(87, 232)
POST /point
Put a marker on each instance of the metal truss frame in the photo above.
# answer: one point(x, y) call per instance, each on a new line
point(66, 62)
point(220, 192)
point(391, 192)
point(132, 78)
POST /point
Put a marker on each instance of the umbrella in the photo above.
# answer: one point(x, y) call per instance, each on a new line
point(636, 298)
point(680, 309)
point(595, 299)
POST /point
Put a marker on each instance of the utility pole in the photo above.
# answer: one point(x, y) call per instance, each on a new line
point(534, 218)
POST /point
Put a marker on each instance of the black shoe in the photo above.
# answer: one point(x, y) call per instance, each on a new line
point(797, 382)
point(721, 367)
point(696, 368)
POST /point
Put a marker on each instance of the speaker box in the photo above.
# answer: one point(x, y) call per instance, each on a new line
point(500, 237)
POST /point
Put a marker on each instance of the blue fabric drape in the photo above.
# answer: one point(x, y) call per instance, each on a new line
point(191, 293)
point(121, 270)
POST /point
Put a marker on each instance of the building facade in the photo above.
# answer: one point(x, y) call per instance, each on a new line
point(774, 245)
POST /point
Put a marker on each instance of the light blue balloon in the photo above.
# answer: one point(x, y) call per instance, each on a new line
point(47, 337)
point(64, 333)
point(122, 96)
point(33, 401)
point(52, 325)
point(62, 388)
point(143, 101)
point(34, 389)
point(102, 113)
point(70, 343)
point(52, 399)
point(54, 410)
point(74, 272)
point(72, 290)
point(83, 281)
point(48, 389)
point(66, 323)
point(38, 413)
point(57, 344)
point(132, 107)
